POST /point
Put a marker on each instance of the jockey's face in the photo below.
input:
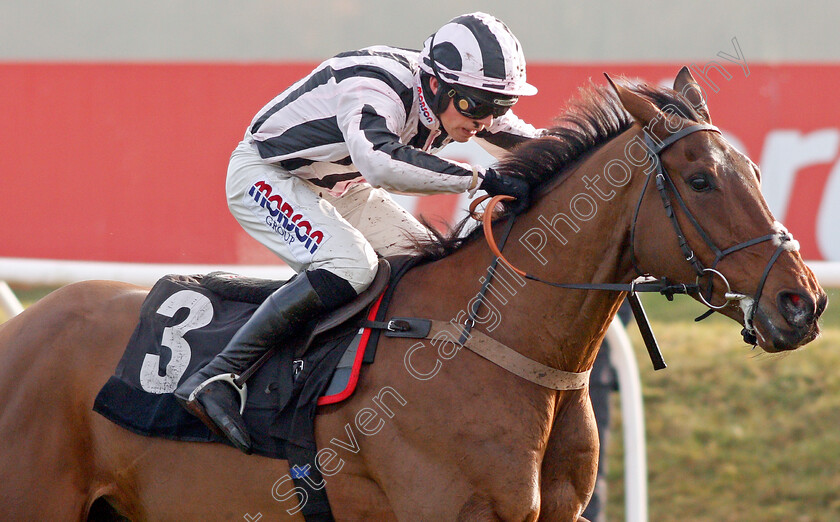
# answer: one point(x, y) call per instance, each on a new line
point(458, 126)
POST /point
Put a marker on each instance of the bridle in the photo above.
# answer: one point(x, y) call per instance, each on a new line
point(666, 188)
point(664, 182)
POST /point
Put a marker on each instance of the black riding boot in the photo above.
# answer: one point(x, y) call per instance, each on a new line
point(276, 320)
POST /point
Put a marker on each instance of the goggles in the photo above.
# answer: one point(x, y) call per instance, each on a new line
point(472, 106)
point(478, 109)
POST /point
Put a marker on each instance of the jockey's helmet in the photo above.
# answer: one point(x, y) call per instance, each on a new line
point(479, 64)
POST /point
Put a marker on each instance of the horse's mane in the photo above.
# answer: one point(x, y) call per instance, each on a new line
point(591, 119)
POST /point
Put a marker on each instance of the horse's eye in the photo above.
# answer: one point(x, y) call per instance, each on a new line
point(700, 182)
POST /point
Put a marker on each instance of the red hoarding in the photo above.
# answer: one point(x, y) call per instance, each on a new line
point(126, 162)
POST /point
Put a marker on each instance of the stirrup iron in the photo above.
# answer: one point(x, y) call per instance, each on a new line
point(229, 378)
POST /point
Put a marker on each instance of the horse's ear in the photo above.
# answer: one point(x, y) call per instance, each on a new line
point(686, 85)
point(642, 110)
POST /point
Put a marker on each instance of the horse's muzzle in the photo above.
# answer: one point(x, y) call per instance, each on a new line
point(800, 311)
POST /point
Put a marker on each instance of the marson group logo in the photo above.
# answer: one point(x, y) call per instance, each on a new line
point(283, 219)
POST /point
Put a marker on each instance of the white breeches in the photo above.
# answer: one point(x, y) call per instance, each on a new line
point(308, 227)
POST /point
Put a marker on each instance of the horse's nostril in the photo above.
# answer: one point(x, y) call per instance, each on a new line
point(798, 309)
point(822, 302)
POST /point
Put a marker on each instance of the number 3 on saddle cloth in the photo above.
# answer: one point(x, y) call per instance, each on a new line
point(186, 320)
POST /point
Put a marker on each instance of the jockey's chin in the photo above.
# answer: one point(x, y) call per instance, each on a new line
point(463, 134)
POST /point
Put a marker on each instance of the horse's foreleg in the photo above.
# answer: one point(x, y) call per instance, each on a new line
point(478, 507)
point(570, 463)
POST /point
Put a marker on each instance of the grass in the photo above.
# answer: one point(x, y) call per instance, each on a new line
point(735, 434)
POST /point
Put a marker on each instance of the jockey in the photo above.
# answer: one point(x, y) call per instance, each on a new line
point(310, 178)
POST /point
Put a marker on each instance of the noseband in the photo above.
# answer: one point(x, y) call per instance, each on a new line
point(666, 187)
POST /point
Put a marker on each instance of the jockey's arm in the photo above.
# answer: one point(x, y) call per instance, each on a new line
point(371, 129)
point(505, 133)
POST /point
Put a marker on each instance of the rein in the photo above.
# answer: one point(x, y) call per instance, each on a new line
point(646, 284)
point(662, 286)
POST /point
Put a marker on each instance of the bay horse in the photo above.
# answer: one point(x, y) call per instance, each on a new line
point(434, 432)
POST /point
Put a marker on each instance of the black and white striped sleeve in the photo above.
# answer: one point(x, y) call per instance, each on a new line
point(370, 119)
point(505, 133)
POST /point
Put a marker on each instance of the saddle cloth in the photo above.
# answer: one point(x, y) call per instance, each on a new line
point(184, 324)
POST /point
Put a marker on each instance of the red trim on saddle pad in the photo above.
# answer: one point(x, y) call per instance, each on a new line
point(357, 362)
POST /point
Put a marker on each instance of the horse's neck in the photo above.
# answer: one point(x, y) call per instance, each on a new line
point(577, 233)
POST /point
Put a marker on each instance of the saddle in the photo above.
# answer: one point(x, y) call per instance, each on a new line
point(186, 320)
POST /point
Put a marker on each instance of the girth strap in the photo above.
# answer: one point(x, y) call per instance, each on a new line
point(502, 356)
point(309, 483)
point(485, 346)
point(515, 362)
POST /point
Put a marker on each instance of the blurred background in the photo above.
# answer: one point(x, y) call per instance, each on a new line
point(118, 119)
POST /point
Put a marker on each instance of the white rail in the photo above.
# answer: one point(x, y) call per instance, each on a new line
point(59, 272)
point(633, 423)
point(9, 303)
point(828, 272)
point(53, 272)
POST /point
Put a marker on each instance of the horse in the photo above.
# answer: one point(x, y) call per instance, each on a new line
point(433, 431)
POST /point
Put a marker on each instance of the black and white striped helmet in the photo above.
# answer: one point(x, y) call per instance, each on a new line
point(477, 50)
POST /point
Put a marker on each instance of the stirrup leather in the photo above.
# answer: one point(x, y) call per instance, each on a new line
point(229, 378)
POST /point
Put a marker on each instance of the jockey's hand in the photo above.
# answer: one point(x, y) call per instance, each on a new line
point(495, 184)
